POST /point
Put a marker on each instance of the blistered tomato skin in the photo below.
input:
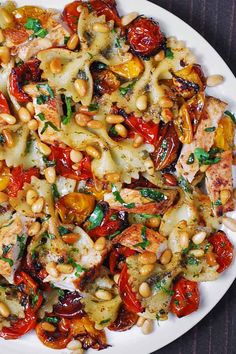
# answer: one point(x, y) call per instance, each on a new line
point(145, 37)
point(71, 14)
point(223, 249)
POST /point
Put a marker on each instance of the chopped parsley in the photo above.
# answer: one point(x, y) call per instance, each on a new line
point(191, 159)
point(41, 116)
point(153, 194)
point(48, 235)
point(206, 158)
point(176, 302)
point(218, 202)
point(127, 89)
point(21, 241)
point(55, 192)
point(47, 88)
point(192, 260)
point(105, 321)
point(110, 237)
point(184, 184)
point(63, 230)
point(206, 248)
point(66, 39)
point(78, 267)
point(117, 43)
point(34, 25)
point(48, 124)
point(7, 260)
point(66, 119)
point(164, 146)
point(145, 241)
point(149, 216)
point(28, 145)
point(2, 139)
point(160, 285)
point(53, 320)
point(119, 199)
point(96, 217)
point(231, 115)
point(210, 129)
point(34, 299)
point(48, 163)
point(169, 53)
point(93, 107)
point(46, 218)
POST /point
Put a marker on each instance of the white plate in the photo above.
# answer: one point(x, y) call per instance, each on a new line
point(211, 292)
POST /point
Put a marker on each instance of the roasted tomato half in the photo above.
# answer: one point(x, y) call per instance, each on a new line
point(19, 177)
point(105, 81)
point(4, 108)
point(125, 320)
point(117, 258)
point(71, 14)
point(57, 339)
point(27, 72)
point(223, 249)
point(145, 37)
point(148, 130)
point(107, 8)
point(186, 297)
point(69, 305)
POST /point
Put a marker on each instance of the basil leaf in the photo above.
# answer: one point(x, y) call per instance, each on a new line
point(145, 241)
point(153, 194)
point(206, 158)
point(119, 199)
point(231, 115)
point(66, 119)
point(63, 230)
point(28, 146)
point(96, 217)
point(184, 184)
point(105, 321)
point(34, 299)
point(33, 24)
point(41, 116)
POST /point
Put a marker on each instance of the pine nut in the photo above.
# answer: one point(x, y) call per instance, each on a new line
point(153, 223)
point(144, 290)
point(70, 238)
point(147, 269)
point(44, 149)
point(34, 229)
point(225, 195)
point(197, 253)
point(113, 177)
point(74, 344)
point(121, 130)
point(166, 257)
point(76, 156)
point(199, 237)
point(138, 141)
point(48, 327)
point(170, 179)
point(30, 108)
point(147, 258)
point(24, 115)
point(140, 321)
point(5, 56)
point(56, 65)
point(211, 259)
point(52, 270)
point(160, 56)
point(127, 19)
point(147, 327)
point(6, 18)
point(142, 103)
point(8, 118)
point(93, 152)
point(100, 244)
point(116, 278)
point(94, 124)
point(165, 102)
point(214, 80)
point(82, 119)
point(33, 124)
point(230, 223)
point(31, 196)
point(2, 38)
point(85, 110)
point(114, 119)
point(3, 197)
point(8, 137)
point(73, 42)
point(167, 115)
point(37, 206)
point(101, 27)
point(103, 295)
point(149, 165)
point(81, 87)
point(4, 310)
point(65, 268)
point(50, 174)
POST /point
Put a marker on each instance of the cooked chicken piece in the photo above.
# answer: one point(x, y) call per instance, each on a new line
point(211, 116)
point(142, 204)
point(141, 239)
point(219, 179)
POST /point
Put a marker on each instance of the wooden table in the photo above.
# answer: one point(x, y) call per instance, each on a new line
point(216, 21)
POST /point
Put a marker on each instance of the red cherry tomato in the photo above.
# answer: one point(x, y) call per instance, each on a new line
point(27, 72)
point(186, 297)
point(117, 258)
point(71, 14)
point(145, 36)
point(107, 8)
point(148, 130)
point(64, 164)
point(126, 293)
point(105, 81)
point(125, 320)
point(54, 340)
point(69, 305)
point(4, 108)
point(223, 249)
point(19, 177)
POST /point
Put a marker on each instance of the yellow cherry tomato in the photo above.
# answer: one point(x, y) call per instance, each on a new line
point(129, 70)
point(224, 137)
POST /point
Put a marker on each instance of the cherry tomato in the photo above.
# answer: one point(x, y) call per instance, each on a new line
point(27, 72)
point(54, 340)
point(223, 249)
point(4, 108)
point(69, 305)
point(125, 320)
point(145, 36)
point(105, 82)
point(126, 293)
point(19, 177)
point(117, 258)
point(148, 130)
point(107, 8)
point(71, 14)
point(186, 297)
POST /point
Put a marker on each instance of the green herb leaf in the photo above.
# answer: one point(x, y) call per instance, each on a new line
point(49, 163)
point(41, 99)
point(117, 43)
point(21, 240)
point(34, 299)
point(169, 53)
point(191, 159)
point(105, 321)
point(160, 285)
point(192, 260)
point(41, 116)
point(53, 320)
point(149, 216)
point(67, 118)
point(46, 218)
point(184, 184)
point(41, 33)
point(127, 89)
point(145, 241)
point(2, 139)
point(119, 199)
point(218, 202)
point(48, 124)
point(206, 158)
point(210, 129)
point(28, 146)
point(33, 24)
point(231, 115)
point(63, 230)
point(110, 237)
point(7, 260)
point(96, 217)
point(48, 235)
point(93, 107)
point(176, 302)
point(66, 39)
point(55, 193)
point(153, 194)
point(6, 249)
point(206, 248)
point(47, 88)
point(78, 267)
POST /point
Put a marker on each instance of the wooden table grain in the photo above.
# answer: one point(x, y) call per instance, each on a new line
point(215, 20)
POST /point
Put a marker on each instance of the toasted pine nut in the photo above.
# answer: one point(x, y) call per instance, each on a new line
point(24, 115)
point(2, 38)
point(153, 223)
point(37, 206)
point(81, 87)
point(85, 110)
point(73, 42)
point(211, 259)
point(214, 80)
point(147, 327)
point(103, 295)
point(160, 56)
point(65, 268)
point(197, 253)
point(34, 228)
point(145, 290)
point(184, 240)
point(140, 321)
point(74, 344)
point(128, 18)
point(165, 102)
point(76, 156)
point(146, 269)
point(138, 141)
point(121, 130)
point(8, 137)
point(147, 258)
point(82, 119)
point(116, 278)
point(70, 238)
point(6, 18)
point(8, 118)
point(56, 65)
point(100, 244)
point(203, 168)
point(93, 152)
point(114, 119)
point(230, 223)
point(225, 195)
point(52, 270)
point(31, 196)
point(48, 327)
point(167, 115)
point(142, 102)
point(44, 149)
point(101, 27)
point(113, 177)
point(4, 310)
point(3, 197)
point(149, 165)
point(5, 55)
point(33, 124)
point(199, 237)
point(166, 256)
point(30, 108)
point(94, 124)
point(50, 174)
